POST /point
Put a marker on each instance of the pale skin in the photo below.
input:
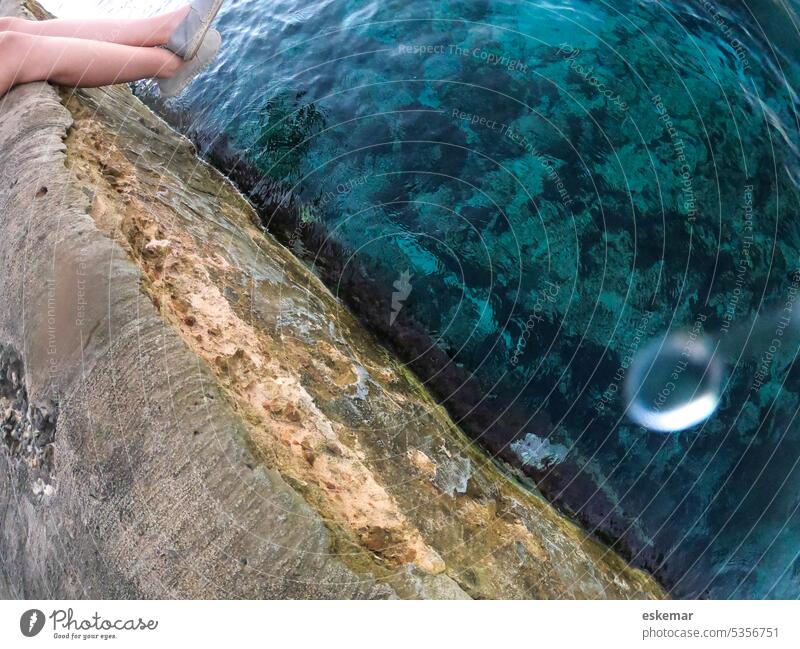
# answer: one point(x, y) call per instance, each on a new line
point(87, 53)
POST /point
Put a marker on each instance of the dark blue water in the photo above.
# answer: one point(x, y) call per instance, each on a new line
point(517, 197)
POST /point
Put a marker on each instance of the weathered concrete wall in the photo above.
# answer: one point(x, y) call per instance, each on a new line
point(223, 427)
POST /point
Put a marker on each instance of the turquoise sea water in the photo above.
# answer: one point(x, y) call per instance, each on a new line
point(518, 197)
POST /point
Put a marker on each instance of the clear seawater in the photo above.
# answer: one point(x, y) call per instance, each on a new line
point(517, 197)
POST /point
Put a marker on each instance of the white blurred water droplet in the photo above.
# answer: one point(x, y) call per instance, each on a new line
point(674, 383)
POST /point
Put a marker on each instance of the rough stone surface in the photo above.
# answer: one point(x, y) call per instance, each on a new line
point(223, 426)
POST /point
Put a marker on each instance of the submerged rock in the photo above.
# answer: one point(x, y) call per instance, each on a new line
point(225, 427)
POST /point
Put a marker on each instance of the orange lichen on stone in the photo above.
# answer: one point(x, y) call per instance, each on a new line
point(286, 427)
point(422, 463)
